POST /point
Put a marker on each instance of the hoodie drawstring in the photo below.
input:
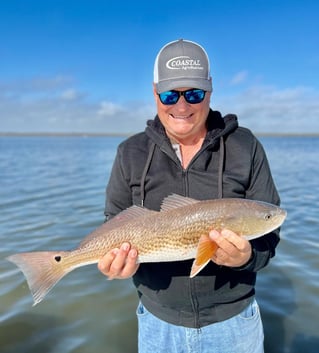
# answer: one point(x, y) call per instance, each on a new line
point(145, 170)
point(221, 167)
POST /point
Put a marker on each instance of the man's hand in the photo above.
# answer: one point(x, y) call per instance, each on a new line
point(233, 250)
point(119, 263)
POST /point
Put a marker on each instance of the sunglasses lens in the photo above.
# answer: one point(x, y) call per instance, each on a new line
point(194, 96)
point(169, 97)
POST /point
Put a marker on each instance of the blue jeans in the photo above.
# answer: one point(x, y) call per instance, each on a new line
point(242, 333)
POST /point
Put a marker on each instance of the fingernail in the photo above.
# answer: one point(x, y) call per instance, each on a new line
point(133, 253)
point(125, 246)
point(214, 234)
point(115, 251)
point(101, 266)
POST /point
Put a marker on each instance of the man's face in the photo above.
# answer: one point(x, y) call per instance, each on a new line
point(183, 121)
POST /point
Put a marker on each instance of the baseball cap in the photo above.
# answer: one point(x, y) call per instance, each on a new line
point(182, 63)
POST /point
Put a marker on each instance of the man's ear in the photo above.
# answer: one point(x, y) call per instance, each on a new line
point(155, 92)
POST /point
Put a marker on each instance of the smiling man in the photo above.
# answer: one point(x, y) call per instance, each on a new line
point(176, 67)
point(191, 150)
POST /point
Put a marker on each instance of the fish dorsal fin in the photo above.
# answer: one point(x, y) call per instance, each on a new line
point(130, 214)
point(175, 201)
point(205, 250)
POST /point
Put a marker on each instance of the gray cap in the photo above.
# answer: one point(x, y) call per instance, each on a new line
point(182, 63)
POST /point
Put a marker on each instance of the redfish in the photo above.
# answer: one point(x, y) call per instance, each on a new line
point(179, 231)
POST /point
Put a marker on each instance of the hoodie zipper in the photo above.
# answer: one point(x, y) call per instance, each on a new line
point(192, 281)
point(194, 301)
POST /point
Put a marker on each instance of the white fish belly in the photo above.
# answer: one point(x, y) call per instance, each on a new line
point(167, 255)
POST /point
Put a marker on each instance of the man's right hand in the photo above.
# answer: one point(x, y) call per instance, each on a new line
point(119, 263)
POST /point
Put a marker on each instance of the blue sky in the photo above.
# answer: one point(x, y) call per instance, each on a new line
point(87, 66)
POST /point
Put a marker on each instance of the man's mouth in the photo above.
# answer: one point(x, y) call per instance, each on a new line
point(181, 117)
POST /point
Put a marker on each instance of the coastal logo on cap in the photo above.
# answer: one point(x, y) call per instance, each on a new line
point(184, 63)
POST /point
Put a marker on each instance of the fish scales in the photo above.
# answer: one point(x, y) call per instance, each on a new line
point(177, 230)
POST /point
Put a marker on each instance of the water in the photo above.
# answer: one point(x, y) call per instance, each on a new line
point(52, 195)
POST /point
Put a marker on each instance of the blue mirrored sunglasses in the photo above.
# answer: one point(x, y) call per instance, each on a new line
point(192, 96)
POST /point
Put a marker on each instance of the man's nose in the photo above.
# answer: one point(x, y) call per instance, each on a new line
point(181, 104)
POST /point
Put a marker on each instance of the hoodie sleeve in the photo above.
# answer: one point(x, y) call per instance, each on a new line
point(118, 194)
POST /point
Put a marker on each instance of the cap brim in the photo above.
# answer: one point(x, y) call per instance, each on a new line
point(176, 83)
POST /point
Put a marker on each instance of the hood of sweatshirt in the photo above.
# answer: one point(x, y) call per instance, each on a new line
point(218, 128)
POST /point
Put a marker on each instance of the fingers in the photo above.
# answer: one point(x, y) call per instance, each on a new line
point(119, 263)
point(233, 250)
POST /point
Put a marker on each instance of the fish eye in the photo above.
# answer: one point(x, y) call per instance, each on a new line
point(267, 216)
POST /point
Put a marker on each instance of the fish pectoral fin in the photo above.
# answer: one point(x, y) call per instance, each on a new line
point(205, 250)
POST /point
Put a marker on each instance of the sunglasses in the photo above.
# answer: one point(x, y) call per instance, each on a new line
point(192, 96)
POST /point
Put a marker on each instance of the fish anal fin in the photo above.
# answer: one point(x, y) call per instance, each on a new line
point(205, 250)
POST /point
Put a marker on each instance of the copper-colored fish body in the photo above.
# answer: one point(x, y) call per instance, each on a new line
point(178, 232)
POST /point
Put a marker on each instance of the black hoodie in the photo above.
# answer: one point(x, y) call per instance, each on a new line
point(230, 163)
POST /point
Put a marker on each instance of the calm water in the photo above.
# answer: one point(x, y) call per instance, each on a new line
point(52, 195)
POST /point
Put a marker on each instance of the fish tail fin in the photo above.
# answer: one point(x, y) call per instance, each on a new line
point(42, 270)
point(205, 250)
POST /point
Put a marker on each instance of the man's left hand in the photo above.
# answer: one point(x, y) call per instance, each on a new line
point(233, 250)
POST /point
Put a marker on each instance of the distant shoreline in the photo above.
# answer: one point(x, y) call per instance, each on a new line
point(90, 134)
point(62, 134)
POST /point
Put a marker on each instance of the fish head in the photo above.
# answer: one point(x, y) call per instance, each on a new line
point(263, 219)
point(251, 219)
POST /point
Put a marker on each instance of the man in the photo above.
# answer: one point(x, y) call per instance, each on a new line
point(191, 150)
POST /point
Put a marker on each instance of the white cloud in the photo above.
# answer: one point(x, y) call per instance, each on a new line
point(54, 105)
point(70, 94)
point(270, 109)
point(108, 109)
point(239, 78)
point(35, 85)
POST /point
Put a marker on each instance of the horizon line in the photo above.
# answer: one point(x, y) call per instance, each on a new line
point(126, 134)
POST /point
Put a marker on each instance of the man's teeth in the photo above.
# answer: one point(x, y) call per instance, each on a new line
point(180, 116)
